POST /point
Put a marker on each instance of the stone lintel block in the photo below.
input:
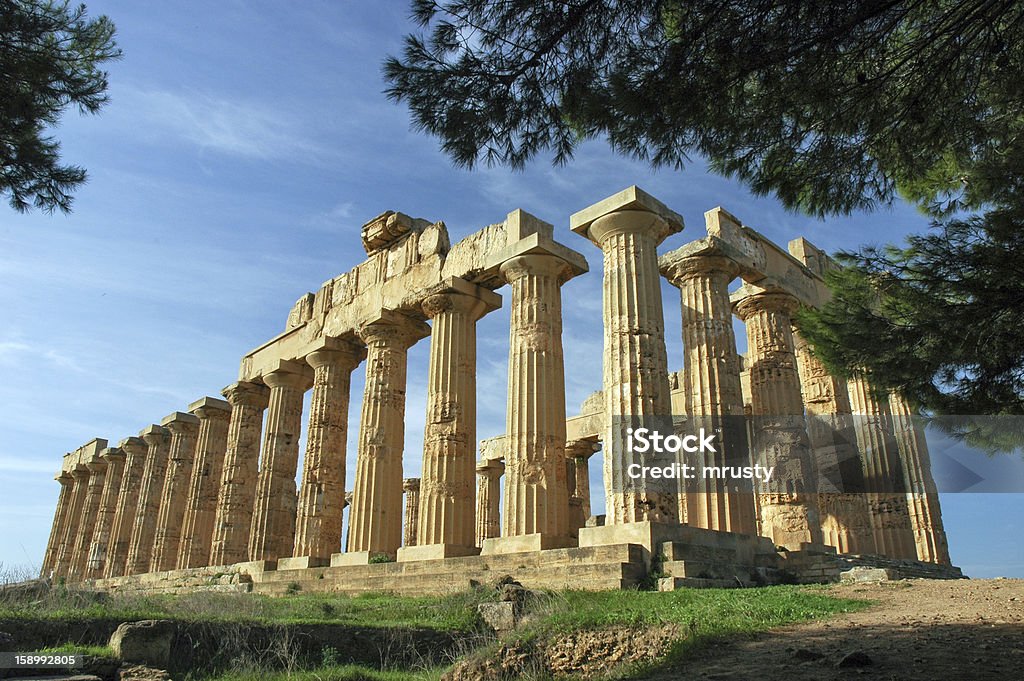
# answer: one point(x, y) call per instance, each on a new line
point(350, 558)
point(210, 403)
point(94, 446)
point(254, 566)
point(388, 228)
point(112, 454)
point(720, 222)
point(541, 245)
point(519, 224)
point(179, 417)
point(435, 552)
point(302, 562)
point(525, 543)
point(490, 299)
point(132, 441)
point(485, 465)
point(153, 429)
point(630, 198)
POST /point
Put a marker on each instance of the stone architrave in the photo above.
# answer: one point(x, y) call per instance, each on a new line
point(140, 548)
point(99, 550)
point(66, 549)
point(536, 513)
point(90, 509)
point(922, 495)
point(712, 395)
point(446, 519)
point(184, 428)
point(322, 493)
point(375, 520)
point(135, 450)
point(488, 500)
point(628, 228)
point(842, 504)
point(201, 500)
point(884, 473)
point(787, 507)
point(60, 520)
point(233, 519)
point(411, 486)
point(577, 456)
point(273, 520)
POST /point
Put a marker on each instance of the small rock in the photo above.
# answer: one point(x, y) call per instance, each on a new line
point(806, 655)
point(858, 658)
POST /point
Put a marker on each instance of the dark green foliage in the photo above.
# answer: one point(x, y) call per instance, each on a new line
point(50, 58)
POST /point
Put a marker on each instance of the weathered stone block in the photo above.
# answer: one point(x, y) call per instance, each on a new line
point(147, 642)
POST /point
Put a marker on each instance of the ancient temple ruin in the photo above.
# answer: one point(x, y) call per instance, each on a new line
point(208, 497)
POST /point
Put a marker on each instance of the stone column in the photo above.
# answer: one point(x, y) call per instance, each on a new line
point(273, 519)
point(233, 518)
point(60, 520)
point(184, 428)
point(628, 228)
point(536, 514)
point(447, 523)
point(90, 508)
point(201, 500)
point(884, 475)
point(488, 497)
point(375, 521)
point(322, 495)
point(140, 549)
point(412, 511)
point(713, 398)
point(99, 550)
point(922, 495)
point(135, 450)
point(842, 504)
point(577, 454)
point(66, 549)
point(788, 510)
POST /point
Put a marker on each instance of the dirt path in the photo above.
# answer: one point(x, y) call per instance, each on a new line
point(919, 629)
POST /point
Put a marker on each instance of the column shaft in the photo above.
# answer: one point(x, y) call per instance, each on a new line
point(412, 511)
point(140, 550)
point(99, 550)
point(273, 519)
point(184, 428)
point(90, 508)
point(66, 549)
point(135, 450)
point(322, 495)
point(578, 453)
point(60, 520)
point(488, 497)
point(201, 501)
point(232, 521)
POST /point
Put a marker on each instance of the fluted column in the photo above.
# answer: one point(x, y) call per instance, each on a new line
point(447, 523)
point(105, 515)
point(577, 455)
point(922, 495)
point(322, 494)
point(90, 509)
point(135, 450)
point(884, 474)
point(60, 519)
point(411, 486)
point(713, 398)
point(66, 549)
point(204, 485)
point(488, 498)
point(536, 496)
point(140, 550)
point(273, 519)
point(183, 428)
point(233, 519)
point(842, 504)
point(787, 507)
point(628, 229)
point(375, 521)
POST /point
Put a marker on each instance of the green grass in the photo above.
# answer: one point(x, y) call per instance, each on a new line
point(78, 649)
point(456, 612)
point(348, 672)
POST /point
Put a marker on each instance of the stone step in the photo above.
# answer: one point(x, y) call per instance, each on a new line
point(679, 551)
point(673, 583)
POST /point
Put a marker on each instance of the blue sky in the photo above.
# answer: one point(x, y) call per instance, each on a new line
point(244, 146)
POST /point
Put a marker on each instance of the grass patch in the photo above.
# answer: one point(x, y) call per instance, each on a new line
point(78, 649)
point(348, 672)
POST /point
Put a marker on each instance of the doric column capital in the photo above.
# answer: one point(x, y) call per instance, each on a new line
point(210, 408)
point(96, 465)
point(392, 328)
point(629, 222)
point(678, 268)
point(287, 378)
point(64, 478)
point(113, 454)
point(411, 484)
point(347, 356)
point(180, 423)
point(246, 393)
point(537, 264)
point(155, 435)
point(133, 445)
point(630, 211)
point(582, 448)
point(490, 468)
point(80, 472)
point(747, 304)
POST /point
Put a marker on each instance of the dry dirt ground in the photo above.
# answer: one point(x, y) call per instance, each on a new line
point(918, 629)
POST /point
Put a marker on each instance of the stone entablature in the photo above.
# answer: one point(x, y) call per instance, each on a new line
point(216, 486)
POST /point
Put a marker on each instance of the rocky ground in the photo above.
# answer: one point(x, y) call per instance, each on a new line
point(919, 629)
